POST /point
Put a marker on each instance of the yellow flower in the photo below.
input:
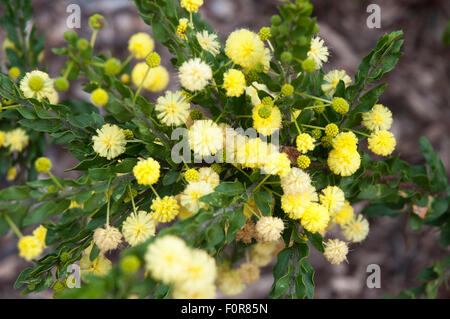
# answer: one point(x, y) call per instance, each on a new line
point(141, 44)
point(230, 283)
point(40, 233)
point(43, 165)
point(345, 215)
point(277, 163)
point(166, 258)
point(249, 272)
point(335, 251)
point(332, 79)
point(99, 266)
point(191, 5)
point(107, 238)
point(165, 209)
point(345, 141)
point(184, 291)
point(99, 97)
point(382, 142)
point(205, 138)
point(195, 74)
point(234, 82)
point(11, 174)
point(331, 130)
point(252, 152)
point(30, 247)
point(266, 126)
point(318, 52)
point(305, 143)
point(146, 171)
point(269, 228)
point(189, 199)
point(295, 205)
point(245, 48)
point(16, 140)
point(191, 175)
point(378, 118)
point(344, 162)
point(208, 175)
point(14, 72)
point(296, 182)
point(209, 42)
point(200, 270)
point(332, 198)
point(157, 78)
point(37, 84)
point(2, 137)
point(315, 218)
point(181, 29)
point(137, 228)
point(109, 142)
point(356, 230)
point(172, 109)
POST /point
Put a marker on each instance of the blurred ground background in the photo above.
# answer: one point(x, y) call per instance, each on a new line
point(418, 95)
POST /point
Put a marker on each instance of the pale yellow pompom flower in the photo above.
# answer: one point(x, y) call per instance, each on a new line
point(30, 247)
point(318, 52)
point(165, 209)
point(356, 230)
point(269, 228)
point(277, 164)
point(382, 142)
point(141, 45)
point(234, 82)
point(344, 162)
point(195, 74)
point(189, 199)
point(296, 182)
point(110, 141)
point(146, 171)
point(208, 175)
point(137, 228)
point(36, 84)
point(335, 251)
point(156, 80)
point(99, 266)
point(205, 138)
point(41, 233)
point(332, 79)
point(333, 198)
point(315, 218)
point(266, 126)
point(230, 283)
point(295, 205)
point(345, 141)
point(199, 270)
point(172, 108)
point(345, 215)
point(191, 5)
point(378, 118)
point(305, 143)
point(245, 48)
point(209, 42)
point(16, 140)
point(184, 291)
point(107, 238)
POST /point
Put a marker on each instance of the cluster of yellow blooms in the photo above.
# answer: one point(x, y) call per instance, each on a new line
point(32, 246)
point(16, 139)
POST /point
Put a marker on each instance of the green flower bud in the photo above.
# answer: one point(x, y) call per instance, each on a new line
point(316, 133)
point(128, 134)
point(309, 65)
point(251, 77)
point(113, 66)
point(61, 84)
point(130, 264)
point(331, 130)
point(70, 36)
point(267, 100)
point(196, 114)
point(284, 29)
point(83, 44)
point(274, 30)
point(153, 60)
point(264, 34)
point(286, 57)
point(265, 111)
point(259, 67)
point(43, 165)
point(340, 105)
point(287, 90)
point(276, 19)
point(97, 21)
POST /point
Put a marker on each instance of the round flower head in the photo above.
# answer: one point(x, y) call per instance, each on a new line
point(11, 174)
point(110, 141)
point(205, 138)
point(331, 130)
point(146, 171)
point(378, 118)
point(295, 182)
point(269, 228)
point(207, 174)
point(140, 45)
point(36, 84)
point(230, 283)
point(166, 258)
point(234, 82)
point(318, 52)
point(172, 109)
point(345, 215)
point(191, 5)
point(332, 79)
point(43, 165)
point(382, 143)
point(189, 199)
point(335, 251)
point(252, 152)
point(99, 97)
point(315, 218)
point(246, 233)
point(30, 247)
point(41, 233)
point(185, 291)
point(305, 143)
point(191, 175)
point(303, 161)
point(14, 72)
point(245, 48)
point(356, 230)
point(345, 141)
point(332, 198)
point(200, 270)
point(182, 27)
point(156, 80)
point(137, 228)
point(295, 205)
point(266, 126)
point(107, 238)
point(209, 42)
point(99, 266)
point(249, 273)
point(16, 140)
point(344, 162)
point(194, 74)
point(165, 209)
point(277, 163)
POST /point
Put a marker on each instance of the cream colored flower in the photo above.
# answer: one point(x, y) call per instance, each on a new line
point(195, 74)
point(209, 42)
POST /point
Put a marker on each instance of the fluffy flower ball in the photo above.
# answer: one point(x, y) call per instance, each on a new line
point(205, 138)
point(345, 215)
point(37, 84)
point(344, 162)
point(318, 52)
point(137, 228)
point(249, 273)
point(266, 126)
point(107, 238)
point(209, 42)
point(332, 198)
point(30, 247)
point(16, 140)
point(110, 141)
point(382, 143)
point(335, 251)
point(195, 74)
point(315, 218)
point(172, 108)
point(332, 79)
point(356, 230)
point(191, 5)
point(156, 80)
point(165, 209)
point(245, 48)
point(99, 97)
point(269, 228)
point(234, 82)
point(295, 182)
point(146, 171)
point(141, 44)
point(43, 165)
point(305, 143)
point(378, 118)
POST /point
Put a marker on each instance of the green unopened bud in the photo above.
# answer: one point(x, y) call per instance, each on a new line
point(113, 66)
point(267, 100)
point(82, 44)
point(276, 19)
point(128, 134)
point(303, 161)
point(274, 30)
point(309, 65)
point(153, 60)
point(264, 34)
point(331, 130)
point(326, 141)
point(318, 107)
point(70, 36)
point(43, 165)
point(65, 256)
point(251, 76)
point(286, 57)
point(265, 111)
point(216, 167)
point(61, 84)
point(260, 67)
point(52, 189)
point(196, 114)
point(130, 264)
point(127, 198)
point(340, 105)
point(97, 21)
point(316, 133)
point(287, 90)
point(284, 29)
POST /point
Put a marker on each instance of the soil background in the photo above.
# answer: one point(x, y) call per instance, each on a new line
point(418, 94)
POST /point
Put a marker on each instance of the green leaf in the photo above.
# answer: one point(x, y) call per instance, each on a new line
point(436, 172)
point(263, 200)
point(14, 193)
point(230, 188)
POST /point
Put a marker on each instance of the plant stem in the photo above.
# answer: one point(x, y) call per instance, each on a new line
point(154, 191)
point(262, 182)
point(313, 126)
point(69, 68)
point(55, 180)
point(140, 86)
point(313, 97)
point(295, 122)
point(251, 209)
point(13, 226)
point(94, 37)
point(132, 199)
